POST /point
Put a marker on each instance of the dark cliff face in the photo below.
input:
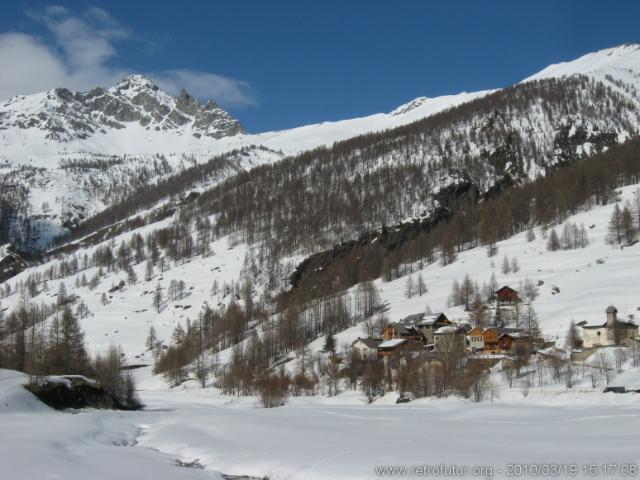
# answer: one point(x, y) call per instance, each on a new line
point(386, 239)
point(569, 137)
point(572, 143)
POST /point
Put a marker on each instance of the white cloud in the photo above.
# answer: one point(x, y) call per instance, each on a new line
point(83, 55)
point(28, 66)
point(206, 85)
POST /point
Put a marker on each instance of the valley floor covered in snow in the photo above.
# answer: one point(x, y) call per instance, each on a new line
point(314, 437)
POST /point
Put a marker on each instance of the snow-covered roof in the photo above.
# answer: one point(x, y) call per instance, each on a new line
point(412, 319)
point(392, 343)
point(432, 318)
point(446, 329)
point(369, 342)
point(619, 324)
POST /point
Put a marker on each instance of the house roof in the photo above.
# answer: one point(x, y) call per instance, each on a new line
point(466, 327)
point(412, 319)
point(392, 343)
point(404, 329)
point(506, 288)
point(433, 318)
point(619, 324)
point(510, 335)
point(446, 329)
point(510, 330)
point(369, 342)
point(422, 319)
point(611, 309)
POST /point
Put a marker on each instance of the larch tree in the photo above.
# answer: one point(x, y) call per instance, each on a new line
point(636, 206)
point(628, 224)
point(178, 335)
point(157, 298)
point(506, 266)
point(553, 243)
point(152, 338)
point(73, 354)
point(615, 225)
point(148, 271)
point(408, 288)
point(478, 314)
point(531, 235)
point(421, 287)
point(531, 322)
point(515, 265)
point(573, 339)
point(132, 278)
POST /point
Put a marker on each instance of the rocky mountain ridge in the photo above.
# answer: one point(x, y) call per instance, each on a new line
point(64, 115)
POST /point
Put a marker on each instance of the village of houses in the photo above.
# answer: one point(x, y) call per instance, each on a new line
point(434, 334)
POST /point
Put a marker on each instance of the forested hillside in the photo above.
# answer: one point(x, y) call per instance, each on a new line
point(267, 249)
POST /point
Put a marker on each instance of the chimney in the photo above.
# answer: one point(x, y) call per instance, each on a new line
point(611, 316)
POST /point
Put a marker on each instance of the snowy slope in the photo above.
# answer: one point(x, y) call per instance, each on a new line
point(589, 280)
point(617, 68)
point(135, 124)
point(38, 442)
point(622, 62)
point(312, 438)
point(23, 141)
point(586, 286)
point(138, 134)
point(584, 294)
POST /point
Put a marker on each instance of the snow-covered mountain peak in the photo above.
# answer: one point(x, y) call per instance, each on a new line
point(621, 62)
point(135, 82)
point(63, 116)
point(407, 107)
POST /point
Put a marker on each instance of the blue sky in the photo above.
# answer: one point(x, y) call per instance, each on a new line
point(281, 64)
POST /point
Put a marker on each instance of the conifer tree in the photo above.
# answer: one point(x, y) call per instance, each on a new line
point(615, 225)
point(515, 266)
point(152, 338)
point(178, 334)
point(329, 343)
point(148, 272)
point(132, 278)
point(553, 244)
point(531, 322)
point(573, 336)
point(506, 266)
point(421, 287)
point(627, 224)
point(408, 289)
point(157, 298)
point(74, 356)
point(531, 235)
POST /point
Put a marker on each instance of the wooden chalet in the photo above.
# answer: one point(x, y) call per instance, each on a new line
point(490, 339)
point(506, 296)
point(475, 339)
point(497, 340)
point(399, 330)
